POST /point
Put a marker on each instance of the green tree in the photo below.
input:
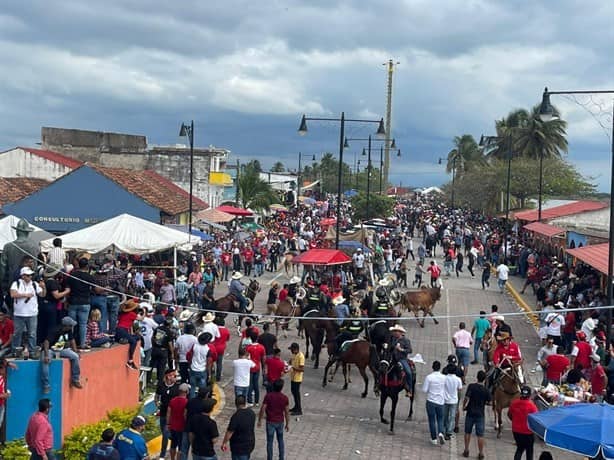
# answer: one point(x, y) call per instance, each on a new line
point(379, 206)
point(542, 138)
point(278, 167)
point(253, 164)
point(254, 192)
point(465, 155)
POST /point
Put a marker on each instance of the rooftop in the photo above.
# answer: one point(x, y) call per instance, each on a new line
point(15, 188)
point(53, 156)
point(569, 209)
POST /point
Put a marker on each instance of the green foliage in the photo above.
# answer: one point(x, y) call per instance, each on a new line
point(84, 437)
point(380, 206)
point(15, 450)
point(278, 167)
point(465, 156)
point(254, 192)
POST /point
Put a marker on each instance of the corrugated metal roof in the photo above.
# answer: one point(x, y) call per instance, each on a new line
point(54, 156)
point(558, 211)
point(544, 229)
point(595, 255)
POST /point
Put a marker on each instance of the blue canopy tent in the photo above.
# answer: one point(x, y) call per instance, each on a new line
point(350, 193)
point(584, 429)
point(195, 231)
point(353, 245)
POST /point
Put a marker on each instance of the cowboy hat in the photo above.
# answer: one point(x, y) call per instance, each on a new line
point(51, 270)
point(295, 280)
point(338, 300)
point(23, 226)
point(185, 315)
point(503, 335)
point(208, 317)
point(26, 271)
point(499, 318)
point(384, 282)
point(397, 327)
point(237, 275)
point(129, 305)
point(182, 278)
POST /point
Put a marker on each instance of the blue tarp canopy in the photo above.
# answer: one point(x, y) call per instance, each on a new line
point(584, 429)
point(350, 193)
point(195, 231)
point(353, 245)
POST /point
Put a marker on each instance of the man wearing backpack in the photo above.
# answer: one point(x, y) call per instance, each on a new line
point(161, 345)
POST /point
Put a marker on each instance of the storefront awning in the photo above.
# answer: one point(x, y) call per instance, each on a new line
point(220, 178)
point(595, 255)
point(544, 229)
point(322, 257)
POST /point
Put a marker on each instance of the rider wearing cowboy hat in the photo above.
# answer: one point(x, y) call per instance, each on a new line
point(401, 349)
point(236, 288)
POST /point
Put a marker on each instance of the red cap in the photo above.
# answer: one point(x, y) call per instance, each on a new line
point(581, 335)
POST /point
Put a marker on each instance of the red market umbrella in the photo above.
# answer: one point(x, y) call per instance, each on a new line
point(322, 257)
point(328, 221)
point(234, 211)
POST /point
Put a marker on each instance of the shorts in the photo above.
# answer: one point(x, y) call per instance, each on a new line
point(543, 333)
point(478, 422)
point(176, 439)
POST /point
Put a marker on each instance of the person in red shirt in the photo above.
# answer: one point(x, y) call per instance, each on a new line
point(226, 259)
point(599, 379)
point(506, 350)
point(275, 406)
point(125, 332)
point(556, 365)
point(248, 260)
point(220, 346)
point(256, 354)
point(39, 434)
point(581, 352)
point(176, 422)
point(283, 293)
point(7, 329)
point(518, 413)
point(275, 369)
point(569, 330)
point(435, 272)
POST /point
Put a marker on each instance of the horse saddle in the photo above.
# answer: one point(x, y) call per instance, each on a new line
point(345, 346)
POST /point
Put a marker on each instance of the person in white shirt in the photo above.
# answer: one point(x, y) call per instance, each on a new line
point(209, 326)
point(148, 325)
point(24, 293)
point(184, 343)
point(358, 259)
point(57, 255)
point(502, 275)
point(199, 369)
point(452, 387)
point(554, 324)
point(589, 325)
point(242, 369)
point(462, 341)
point(434, 387)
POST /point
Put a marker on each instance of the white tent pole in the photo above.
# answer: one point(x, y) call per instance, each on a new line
point(175, 264)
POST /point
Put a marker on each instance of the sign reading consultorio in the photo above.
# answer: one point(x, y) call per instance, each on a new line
point(67, 220)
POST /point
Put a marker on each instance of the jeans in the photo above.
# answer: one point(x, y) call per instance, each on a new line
point(202, 457)
point(408, 375)
point(109, 308)
point(501, 284)
point(476, 349)
point(184, 371)
point(99, 342)
point(198, 379)
point(75, 370)
point(524, 442)
point(435, 415)
point(21, 324)
point(295, 389)
point(225, 270)
point(80, 313)
point(241, 391)
point(166, 434)
point(218, 367)
point(35, 456)
point(123, 334)
point(449, 417)
point(485, 278)
point(239, 456)
point(273, 429)
point(254, 387)
point(463, 356)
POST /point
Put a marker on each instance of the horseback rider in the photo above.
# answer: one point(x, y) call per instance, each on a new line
point(506, 354)
point(382, 302)
point(316, 300)
point(293, 287)
point(401, 349)
point(349, 327)
point(236, 289)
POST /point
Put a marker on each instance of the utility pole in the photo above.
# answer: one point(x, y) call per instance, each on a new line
point(390, 65)
point(237, 176)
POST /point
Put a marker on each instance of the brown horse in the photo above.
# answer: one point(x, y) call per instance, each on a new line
point(315, 331)
point(230, 304)
point(289, 267)
point(506, 389)
point(360, 353)
point(487, 346)
point(289, 310)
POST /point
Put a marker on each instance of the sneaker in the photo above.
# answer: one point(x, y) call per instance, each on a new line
point(447, 437)
point(434, 442)
point(106, 345)
point(480, 456)
point(76, 384)
point(131, 365)
point(474, 362)
point(249, 405)
point(452, 436)
point(46, 390)
point(466, 453)
point(296, 412)
point(442, 439)
point(84, 349)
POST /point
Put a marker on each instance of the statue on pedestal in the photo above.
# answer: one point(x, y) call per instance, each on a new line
point(13, 253)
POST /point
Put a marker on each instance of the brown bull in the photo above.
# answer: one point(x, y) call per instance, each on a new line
point(423, 299)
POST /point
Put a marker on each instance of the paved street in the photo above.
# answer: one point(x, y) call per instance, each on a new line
point(339, 424)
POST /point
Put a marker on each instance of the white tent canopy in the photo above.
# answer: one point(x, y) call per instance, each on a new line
point(125, 233)
point(8, 233)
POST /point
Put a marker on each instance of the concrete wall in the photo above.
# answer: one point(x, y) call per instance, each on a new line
point(593, 220)
point(60, 139)
point(20, 163)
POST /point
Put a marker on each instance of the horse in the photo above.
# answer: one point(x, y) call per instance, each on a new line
point(289, 267)
point(288, 309)
point(506, 389)
point(315, 330)
point(230, 304)
point(487, 346)
point(360, 353)
point(424, 300)
point(391, 383)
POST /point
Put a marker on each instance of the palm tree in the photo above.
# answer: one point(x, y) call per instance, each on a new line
point(278, 167)
point(255, 193)
point(542, 138)
point(507, 129)
point(465, 156)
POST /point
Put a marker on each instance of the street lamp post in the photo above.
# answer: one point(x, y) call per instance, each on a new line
point(302, 130)
point(547, 113)
point(298, 176)
point(541, 182)
point(188, 130)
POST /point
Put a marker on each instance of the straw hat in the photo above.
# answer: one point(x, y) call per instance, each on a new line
point(503, 335)
point(237, 275)
point(397, 327)
point(209, 317)
point(51, 270)
point(182, 278)
point(295, 280)
point(130, 305)
point(185, 315)
point(338, 300)
point(384, 282)
point(499, 318)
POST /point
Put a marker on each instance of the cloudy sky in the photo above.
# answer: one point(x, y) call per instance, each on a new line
point(245, 71)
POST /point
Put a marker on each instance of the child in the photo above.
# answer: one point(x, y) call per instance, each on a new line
point(93, 336)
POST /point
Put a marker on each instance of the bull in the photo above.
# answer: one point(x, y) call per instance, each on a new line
point(421, 300)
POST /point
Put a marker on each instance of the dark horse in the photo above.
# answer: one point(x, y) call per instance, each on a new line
point(391, 383)
point(229, 303)
point(360, 353)
point(315, 332)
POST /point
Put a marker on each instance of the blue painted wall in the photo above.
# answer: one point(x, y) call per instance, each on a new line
point(577, 238)
point(80, 199)
point(26, 390)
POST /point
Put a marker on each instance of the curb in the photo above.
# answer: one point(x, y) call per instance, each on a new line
point(155, 444)
point(531, 315)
